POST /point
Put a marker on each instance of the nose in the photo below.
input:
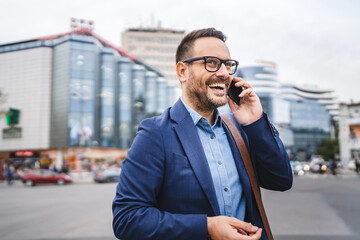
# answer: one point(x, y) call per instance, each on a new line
point(222, 71)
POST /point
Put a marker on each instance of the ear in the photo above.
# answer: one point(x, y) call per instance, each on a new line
point(181, 70)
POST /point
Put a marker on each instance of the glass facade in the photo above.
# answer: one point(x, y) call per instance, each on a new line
point(161, 95)
point(82, 84)
point(151, 94)
point(170, 95)
point(125, 102)
point(107, 103)
point(266, 102)
point(138, 103)
point(309, 114)
point(99, 95)
point(310, 122)
point(281, 109)
point(302, 122)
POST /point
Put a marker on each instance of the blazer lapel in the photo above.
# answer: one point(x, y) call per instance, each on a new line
point(191, 143)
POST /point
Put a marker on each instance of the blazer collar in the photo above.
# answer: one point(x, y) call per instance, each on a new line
point(178, 112)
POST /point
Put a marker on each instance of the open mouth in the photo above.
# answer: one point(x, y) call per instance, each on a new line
point(218, 88)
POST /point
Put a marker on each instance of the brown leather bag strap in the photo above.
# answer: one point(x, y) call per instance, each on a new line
point(250, 171)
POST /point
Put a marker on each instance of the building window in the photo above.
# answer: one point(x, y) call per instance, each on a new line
point(81, 103)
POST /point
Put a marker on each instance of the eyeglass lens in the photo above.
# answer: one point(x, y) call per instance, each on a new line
point(214, 64)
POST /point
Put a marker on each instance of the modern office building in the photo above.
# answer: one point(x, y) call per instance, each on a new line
point(155, 46)
point(349, 133)
point(77, 96)
point(302, 114)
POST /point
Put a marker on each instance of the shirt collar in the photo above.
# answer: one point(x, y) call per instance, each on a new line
point(196, 117)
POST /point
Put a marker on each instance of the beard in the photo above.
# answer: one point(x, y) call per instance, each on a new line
point(202, 97)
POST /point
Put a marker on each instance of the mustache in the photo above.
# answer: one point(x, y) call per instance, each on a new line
point(217, 80)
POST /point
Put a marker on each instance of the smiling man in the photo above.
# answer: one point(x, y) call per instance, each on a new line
point(183, 177)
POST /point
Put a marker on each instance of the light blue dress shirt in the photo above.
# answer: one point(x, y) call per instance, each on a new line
point(223, 170)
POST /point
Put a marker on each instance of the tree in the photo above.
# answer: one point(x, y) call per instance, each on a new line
point(328, 148)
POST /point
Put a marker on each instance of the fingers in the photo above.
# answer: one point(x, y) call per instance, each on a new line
point(246, 229)
point(251, 236)
point(246, 226)
point(221, 227)
point(242, 231)
point(247, 92)
point(257, 235)
point(247, 88)
point(241, 83)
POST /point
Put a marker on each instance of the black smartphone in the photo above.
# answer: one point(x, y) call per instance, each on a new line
point(234, 92)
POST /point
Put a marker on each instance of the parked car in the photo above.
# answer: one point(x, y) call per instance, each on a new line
point(298, 167)
point(41, 176)
point(318, 165)
point(108, 175)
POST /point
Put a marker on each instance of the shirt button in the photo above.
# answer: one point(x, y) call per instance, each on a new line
point(212, 136)
point(226, 189)
point(219, 162)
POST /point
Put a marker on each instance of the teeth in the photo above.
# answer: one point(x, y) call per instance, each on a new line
point(218, 85)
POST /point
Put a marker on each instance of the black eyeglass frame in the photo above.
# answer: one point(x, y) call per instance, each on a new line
point(190, 60)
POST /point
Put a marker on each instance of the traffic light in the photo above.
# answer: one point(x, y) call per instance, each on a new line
point(12, 116)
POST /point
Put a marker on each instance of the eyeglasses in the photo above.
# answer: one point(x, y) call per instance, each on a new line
point(213, 64)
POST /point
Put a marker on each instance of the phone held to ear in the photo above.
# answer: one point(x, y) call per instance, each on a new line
point(234, 92)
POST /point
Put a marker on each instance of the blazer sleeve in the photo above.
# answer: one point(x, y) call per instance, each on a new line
point(135, 209)
point(268, 154)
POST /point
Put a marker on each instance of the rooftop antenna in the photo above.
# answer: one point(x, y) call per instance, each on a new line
point(77, 24)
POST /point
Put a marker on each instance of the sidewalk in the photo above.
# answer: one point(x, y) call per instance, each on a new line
point(347, 171)
point(341, 172)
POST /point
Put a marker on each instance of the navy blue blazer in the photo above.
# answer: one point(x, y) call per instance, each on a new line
point(165, 190)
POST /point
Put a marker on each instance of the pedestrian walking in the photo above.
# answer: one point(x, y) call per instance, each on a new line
point(333, 166)
point(9, 175)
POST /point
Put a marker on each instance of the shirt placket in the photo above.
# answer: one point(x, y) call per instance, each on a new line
point(223, 175)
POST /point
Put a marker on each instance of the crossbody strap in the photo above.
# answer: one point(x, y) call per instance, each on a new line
point(250, 171)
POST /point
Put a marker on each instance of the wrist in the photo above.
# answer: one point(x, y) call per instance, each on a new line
point(209, 226)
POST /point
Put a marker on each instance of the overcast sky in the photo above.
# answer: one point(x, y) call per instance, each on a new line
point(312, 41)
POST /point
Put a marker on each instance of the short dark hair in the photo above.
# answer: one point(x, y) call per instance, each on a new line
point(184, 49)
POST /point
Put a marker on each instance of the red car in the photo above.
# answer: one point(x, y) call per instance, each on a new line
point(34, 177)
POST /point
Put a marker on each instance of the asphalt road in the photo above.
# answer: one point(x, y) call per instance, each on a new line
point(318, 207)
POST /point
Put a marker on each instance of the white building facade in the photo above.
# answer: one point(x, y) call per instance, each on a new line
point(349, 133)
point(155, 46)
point(26, 79)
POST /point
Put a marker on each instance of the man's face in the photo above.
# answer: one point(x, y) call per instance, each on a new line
point(208, 90)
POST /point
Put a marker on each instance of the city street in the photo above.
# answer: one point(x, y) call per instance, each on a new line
point(318, 207)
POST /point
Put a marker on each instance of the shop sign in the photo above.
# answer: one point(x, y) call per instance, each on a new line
point(24, 154)
point(12, 116)
point(12, 132)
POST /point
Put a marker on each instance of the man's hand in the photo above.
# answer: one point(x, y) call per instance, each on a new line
point(224, 228)
point(250, 109)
